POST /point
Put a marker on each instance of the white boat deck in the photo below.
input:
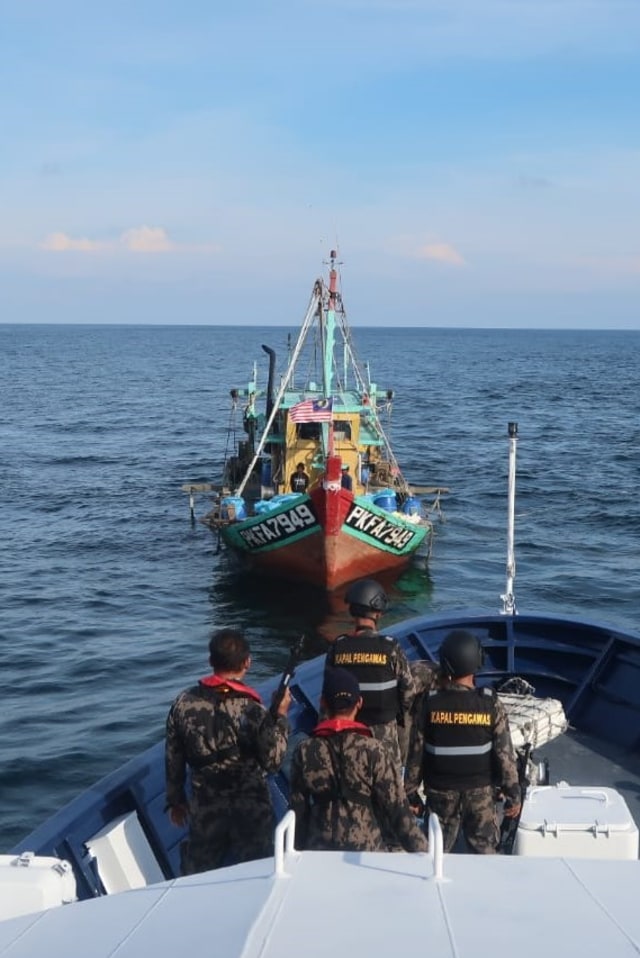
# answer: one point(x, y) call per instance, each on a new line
point(351, 905)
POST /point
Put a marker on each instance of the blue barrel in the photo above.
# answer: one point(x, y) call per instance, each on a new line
point(386, 499)
point(265, 472)
point(412, 506)
point(238, 504)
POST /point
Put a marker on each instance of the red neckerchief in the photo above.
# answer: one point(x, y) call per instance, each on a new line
point(334, 725)
point(230, 685)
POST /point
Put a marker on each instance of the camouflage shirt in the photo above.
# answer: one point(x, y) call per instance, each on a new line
point(346, 790)
point(228, 739)
point(426, 676)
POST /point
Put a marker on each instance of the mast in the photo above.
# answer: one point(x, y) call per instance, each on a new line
point(508, 599)
point(328, 326)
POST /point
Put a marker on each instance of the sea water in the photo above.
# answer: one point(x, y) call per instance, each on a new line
point(110, 593)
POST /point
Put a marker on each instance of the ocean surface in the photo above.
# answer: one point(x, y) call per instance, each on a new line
point(110, 593)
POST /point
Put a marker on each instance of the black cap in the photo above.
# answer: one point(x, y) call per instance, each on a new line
point(340, 689)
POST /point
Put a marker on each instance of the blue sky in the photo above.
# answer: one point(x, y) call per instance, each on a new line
point(475, 162)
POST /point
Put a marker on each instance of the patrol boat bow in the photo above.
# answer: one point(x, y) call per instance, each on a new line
point(575, 879)
point(570, 886)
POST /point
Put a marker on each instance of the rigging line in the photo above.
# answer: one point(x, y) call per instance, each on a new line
point(346, 335)
point(314, 302)
point(231, 429)
point(355, 362)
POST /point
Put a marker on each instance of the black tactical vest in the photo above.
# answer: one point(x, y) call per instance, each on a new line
point(458, 738)
point(368, 656)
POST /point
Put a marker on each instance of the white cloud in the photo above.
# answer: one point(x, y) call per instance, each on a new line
point(137, 239)
point(60, 242)
point(146, 239)
point(441, 253)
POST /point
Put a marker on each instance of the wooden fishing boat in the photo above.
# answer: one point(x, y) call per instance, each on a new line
point(314, 492)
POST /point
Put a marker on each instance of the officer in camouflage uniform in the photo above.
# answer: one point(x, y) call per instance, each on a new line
point(461, 750)
point(345, 788)
point(220, 730)
point(378, 663)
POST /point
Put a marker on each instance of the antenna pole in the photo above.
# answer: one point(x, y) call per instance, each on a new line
point(508, 599)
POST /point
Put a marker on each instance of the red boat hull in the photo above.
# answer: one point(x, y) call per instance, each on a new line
point(327, 538)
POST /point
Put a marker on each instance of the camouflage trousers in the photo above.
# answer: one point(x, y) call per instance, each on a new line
point(474, 810)
point(404, 736)
point(226, 832)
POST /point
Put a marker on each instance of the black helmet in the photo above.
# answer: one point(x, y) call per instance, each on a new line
point(461, 654)
point(366, 596)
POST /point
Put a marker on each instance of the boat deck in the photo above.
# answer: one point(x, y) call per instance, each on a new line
point(586, 760)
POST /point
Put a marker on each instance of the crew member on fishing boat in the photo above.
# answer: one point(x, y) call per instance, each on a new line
point(299, 481)
point(378, 663)
point(345, 480)
point(461, 749)
point(346, 790)
point(221, 730)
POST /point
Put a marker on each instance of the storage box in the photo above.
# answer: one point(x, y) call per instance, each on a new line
point(30, 883)
point(576, 822)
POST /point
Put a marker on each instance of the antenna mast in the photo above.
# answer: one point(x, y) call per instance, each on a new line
point(508, 599)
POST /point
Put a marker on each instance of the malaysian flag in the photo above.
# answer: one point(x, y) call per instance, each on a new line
point(312, 410)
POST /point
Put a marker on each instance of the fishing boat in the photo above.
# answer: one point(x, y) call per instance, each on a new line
point(101, 876)
point(314, 492)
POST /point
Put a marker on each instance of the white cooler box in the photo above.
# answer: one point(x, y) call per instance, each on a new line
point(576, 821)
point(31, 883)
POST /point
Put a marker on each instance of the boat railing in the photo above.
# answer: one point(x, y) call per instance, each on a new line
point(284, 842)
point(284, 838)
point(436, 846)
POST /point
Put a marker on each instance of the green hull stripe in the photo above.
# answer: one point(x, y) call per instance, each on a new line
point(411, 546)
